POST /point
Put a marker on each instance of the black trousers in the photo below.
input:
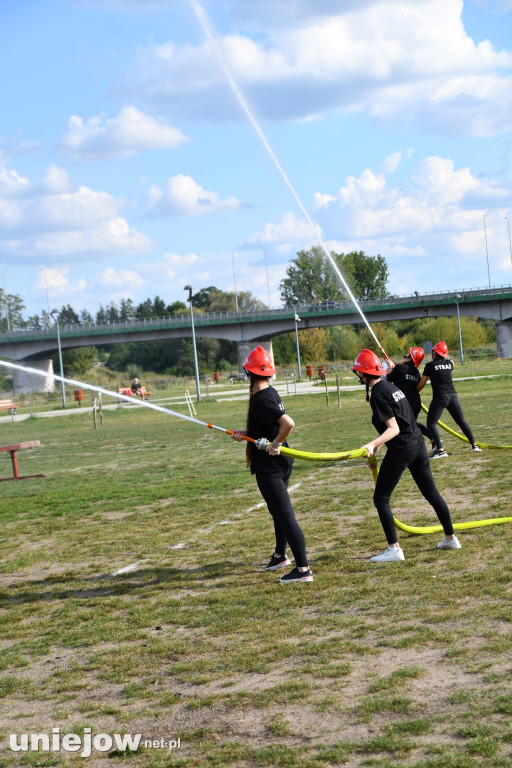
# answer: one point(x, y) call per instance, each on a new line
point(425, 431)
point(274, 489)
point(452, 405)
point(393, 465)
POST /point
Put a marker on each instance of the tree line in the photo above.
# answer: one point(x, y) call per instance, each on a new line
point(310, 278)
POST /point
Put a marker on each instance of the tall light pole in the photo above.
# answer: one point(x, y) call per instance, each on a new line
point(509, 240)
point(46, 286)
point(457, 296)
point(264, 248)
point(196, 367)
point(234, 278)
point(55, 315)
point(6, 300)
point(297, 320)
point(487, 252)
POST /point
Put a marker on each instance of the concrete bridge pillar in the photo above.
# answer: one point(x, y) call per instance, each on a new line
point(245, 347)
point(24, 381)
point(504, 339)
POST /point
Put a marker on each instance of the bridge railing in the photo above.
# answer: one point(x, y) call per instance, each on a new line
point(215, 317)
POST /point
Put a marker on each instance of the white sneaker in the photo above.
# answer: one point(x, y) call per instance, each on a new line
point(476, 449)
point(449, 543)
point(390, 555)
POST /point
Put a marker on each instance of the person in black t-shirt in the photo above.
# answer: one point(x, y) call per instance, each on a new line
point(136, 388)
point(405, 376)
point(394, 420)
point(439, 371)
point(266, 417)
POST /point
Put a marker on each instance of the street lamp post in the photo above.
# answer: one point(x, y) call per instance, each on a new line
point(6, 301)
point(55, 315)
point(509, 240)
point(457, 296)
point(196, 367)
point(297, 320)
point(234, 278)
point(487, 252)
point(46, 286)
point(264, 247)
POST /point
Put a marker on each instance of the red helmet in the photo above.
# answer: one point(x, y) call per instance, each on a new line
point(368, 362)
point(417, 355)
point(259, 362)
point(441, 349)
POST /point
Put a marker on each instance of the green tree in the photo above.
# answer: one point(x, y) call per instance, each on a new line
point(112, 312)
point(11, 311)
point(311, 276)
point(101, 315)
point(212, 299)
point(144, 309)
point(126, 310)
point(285, 349)
point(367, 276)
point(176, 308)
point(68, 316)
point(86, 317)
point(342, 343)
point(77, 361)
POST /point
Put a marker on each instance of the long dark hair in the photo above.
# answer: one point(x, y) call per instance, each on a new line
point(253, 378)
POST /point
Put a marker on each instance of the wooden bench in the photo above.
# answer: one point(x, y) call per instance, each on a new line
point(12, 449)
point(8, 405)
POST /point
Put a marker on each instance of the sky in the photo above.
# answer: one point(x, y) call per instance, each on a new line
point(145, 144)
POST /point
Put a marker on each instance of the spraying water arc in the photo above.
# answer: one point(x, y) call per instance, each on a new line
point(207, 29)
point(108, 392)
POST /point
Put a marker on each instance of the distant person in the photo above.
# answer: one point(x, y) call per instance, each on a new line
point(266, 417)
point(439, 371)
point(406, 376)
point(394, 420)
point(137, 388)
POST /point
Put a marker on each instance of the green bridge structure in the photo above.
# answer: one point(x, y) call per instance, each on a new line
point(34, 348)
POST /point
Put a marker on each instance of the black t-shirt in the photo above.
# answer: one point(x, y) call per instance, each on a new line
point(387, 401)
point(440, 375)
point(264, 411)
point(406, 377)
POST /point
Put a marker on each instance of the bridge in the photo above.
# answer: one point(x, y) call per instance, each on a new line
point(35, 347)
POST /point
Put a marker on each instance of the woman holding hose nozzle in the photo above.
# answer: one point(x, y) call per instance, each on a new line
point(266, 417)
point(394, 420)
point(444, 395)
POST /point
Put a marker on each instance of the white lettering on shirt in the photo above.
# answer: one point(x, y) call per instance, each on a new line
point(398, 395)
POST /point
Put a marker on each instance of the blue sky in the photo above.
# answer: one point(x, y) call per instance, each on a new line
point(129, 169)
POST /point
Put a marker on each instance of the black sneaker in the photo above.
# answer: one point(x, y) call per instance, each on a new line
point(439, 453)
point(277, 562)
point(295, 576)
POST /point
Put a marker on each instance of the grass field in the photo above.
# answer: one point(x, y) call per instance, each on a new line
point(403, 664)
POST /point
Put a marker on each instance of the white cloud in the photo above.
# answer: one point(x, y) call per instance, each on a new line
point(56, 217)
point(430, 221)
point(127, 134)
point(288, 232)
point(55, 280)
point(182, 196)
point(392, 59)
point(124, 279)
point(171, 268)
point(391, 163)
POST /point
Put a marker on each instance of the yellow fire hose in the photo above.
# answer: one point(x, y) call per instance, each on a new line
point(362, 452)
point(465, 440)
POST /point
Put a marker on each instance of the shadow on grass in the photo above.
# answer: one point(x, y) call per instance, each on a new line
point(213, 575)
